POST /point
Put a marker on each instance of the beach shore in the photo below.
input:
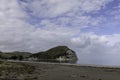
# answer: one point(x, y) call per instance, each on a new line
point(51, 71)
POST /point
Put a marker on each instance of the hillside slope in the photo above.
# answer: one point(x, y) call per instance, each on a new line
point(62, 53)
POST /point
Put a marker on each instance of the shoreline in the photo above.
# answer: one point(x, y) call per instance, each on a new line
point(66, 64)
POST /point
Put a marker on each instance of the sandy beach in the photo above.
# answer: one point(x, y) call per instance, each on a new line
point(72, 72)
point(48, 71)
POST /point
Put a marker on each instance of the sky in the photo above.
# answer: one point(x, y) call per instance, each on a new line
point(89, 27)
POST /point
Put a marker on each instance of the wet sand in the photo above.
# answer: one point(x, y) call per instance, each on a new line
point(48, 71)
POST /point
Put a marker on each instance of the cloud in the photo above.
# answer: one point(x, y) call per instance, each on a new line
point(54, 8)
point(94, 5)
point(56, 26)
point(18, 35)
point(50, 8)
point(85, 40)
point(64, 12)
point(92, 44)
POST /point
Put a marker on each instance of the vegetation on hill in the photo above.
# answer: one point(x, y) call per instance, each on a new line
point(14, 55)
point(56, 53)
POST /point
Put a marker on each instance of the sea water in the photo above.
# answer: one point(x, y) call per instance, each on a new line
point(99, 59)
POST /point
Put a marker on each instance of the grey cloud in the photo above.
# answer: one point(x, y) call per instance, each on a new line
point(54, 8)
point(65, 12)
point(17, 34)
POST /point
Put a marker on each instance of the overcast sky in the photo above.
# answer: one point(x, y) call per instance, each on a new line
point(86, 26)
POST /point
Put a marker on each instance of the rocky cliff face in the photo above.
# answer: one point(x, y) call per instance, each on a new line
point(59, 53)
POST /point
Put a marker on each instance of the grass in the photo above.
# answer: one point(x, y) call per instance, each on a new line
point(14, 71)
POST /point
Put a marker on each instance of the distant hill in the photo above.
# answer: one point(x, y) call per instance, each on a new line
point(58, 53)
point(14, 55)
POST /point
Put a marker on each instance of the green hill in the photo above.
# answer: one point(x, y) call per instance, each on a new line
point(14, 55)
point(58, 53)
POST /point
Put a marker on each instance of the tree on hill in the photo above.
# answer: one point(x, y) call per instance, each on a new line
point(13, 57)
point(20, 57)
point(0, 51)
point(0, 56)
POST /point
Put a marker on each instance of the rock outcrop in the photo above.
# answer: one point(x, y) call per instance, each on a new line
point(59, 53)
